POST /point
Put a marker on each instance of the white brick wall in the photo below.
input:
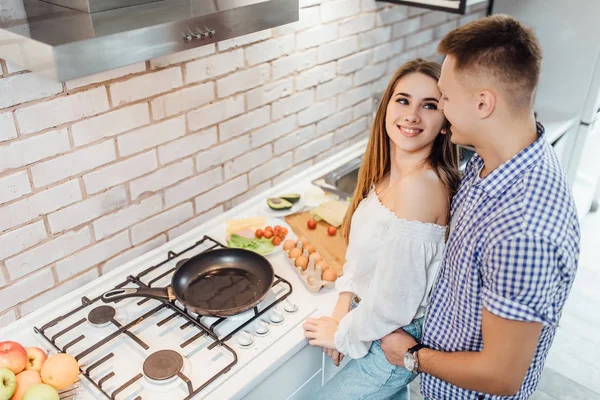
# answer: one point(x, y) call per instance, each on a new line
point(183, 100)
point(295, 103)
point(215, 113)
point(118, 173)
point(106, 76)
point(25, 289)
point(91, 256)
point(160, 223)
point(193, 187)
point(7, 127)
point(269, 93)
point(110, 124)
point(297, 62)
point(144, 86)
point(315, 36)
point(270, 169)
point(224, 152)
point(87, 210)
point(151, 136)
point(244, 123)
point(187, 145)
point(41, 203)
point(20, 239)
point(162, 178)
point(333, 122)
point(338, 9)
point(26, 87)
point(269, 50)
point(61, 110)
point(48, 252)
point(230, 189)
point(72, 164)
point(101, 169)
point(354, 62)
point(18, 153)
point(247, 161)
point(14, 186)
point(212, 67)
point(244, 80)
point(314, 76)
point(273, 131)
point(127, 217)
point(133, 253)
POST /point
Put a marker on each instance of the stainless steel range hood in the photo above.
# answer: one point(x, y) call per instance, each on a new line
point(91, 36)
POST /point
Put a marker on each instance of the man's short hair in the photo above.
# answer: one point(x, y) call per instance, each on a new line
point(499, 46)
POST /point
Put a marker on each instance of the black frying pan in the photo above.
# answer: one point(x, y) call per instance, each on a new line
point(217, 283)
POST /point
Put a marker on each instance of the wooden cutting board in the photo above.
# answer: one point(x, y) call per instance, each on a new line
point(331, 248)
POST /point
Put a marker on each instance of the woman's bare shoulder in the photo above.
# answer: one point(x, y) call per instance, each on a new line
point(421, 196)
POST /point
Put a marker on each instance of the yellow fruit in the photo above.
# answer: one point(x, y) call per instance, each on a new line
point(60, 371)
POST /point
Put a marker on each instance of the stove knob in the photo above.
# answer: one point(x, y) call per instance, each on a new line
point(289, 307)
point(276, 316)
point(245, 339)
point(262, 327)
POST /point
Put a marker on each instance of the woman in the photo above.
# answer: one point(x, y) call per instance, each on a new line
point(396, 226)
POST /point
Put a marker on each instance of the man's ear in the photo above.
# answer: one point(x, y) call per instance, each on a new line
point(486, 103)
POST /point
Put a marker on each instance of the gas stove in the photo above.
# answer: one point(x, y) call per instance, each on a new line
point(143, 348)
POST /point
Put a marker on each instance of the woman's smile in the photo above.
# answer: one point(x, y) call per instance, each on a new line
point(409, 132)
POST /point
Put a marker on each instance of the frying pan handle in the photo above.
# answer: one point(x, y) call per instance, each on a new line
point(155, 293)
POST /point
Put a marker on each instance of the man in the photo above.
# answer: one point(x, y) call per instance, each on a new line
point(512, 253)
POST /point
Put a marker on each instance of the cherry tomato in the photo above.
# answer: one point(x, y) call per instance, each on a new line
point(268, 234)
point(259, 233)
point(276, 240)
point(276, 229)
point(331, 231)
point(284, 231)
point(311, 223)
point(268, 228)
point(280, 235)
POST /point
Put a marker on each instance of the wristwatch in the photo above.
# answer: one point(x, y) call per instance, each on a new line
point(411, 362)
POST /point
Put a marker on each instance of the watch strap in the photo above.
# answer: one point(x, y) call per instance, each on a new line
point(416, 348)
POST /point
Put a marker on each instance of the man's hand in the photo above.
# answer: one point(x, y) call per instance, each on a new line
point(395, 345)
point(321, 332)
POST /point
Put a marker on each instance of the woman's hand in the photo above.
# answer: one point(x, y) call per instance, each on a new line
point(335, 356)
point(321, 331)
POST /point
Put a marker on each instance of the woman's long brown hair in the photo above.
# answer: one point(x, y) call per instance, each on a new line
point(376, 162)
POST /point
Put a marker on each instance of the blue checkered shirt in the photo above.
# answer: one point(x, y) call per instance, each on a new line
point(514, 250)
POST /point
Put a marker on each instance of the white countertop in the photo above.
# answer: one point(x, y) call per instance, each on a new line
point(262, 366)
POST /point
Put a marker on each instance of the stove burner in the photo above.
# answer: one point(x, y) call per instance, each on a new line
point(101, 315)
point(163, 364)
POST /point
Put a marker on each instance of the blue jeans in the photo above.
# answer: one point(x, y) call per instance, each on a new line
point(372, 377)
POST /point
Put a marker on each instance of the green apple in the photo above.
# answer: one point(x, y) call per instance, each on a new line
point(8, 383)
point(41, 391)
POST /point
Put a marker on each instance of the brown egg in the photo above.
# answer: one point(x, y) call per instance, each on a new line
point(316, 256)
point(295, 252)
point(310, 248)
point(323, 265)
point(302, 262)
point(289, 244)
point(329, 275)
point(303, 240)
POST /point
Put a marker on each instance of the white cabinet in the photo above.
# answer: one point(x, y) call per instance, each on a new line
point(300, 375)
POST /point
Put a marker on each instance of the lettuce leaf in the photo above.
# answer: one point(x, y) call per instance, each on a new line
point(261, 246)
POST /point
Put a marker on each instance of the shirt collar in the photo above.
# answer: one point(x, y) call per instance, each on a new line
point(504, 176)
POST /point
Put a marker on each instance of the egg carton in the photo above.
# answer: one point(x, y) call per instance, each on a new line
point(312, 274)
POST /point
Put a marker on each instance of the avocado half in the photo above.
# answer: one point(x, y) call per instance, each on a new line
point(292, 197)
point(279, 204)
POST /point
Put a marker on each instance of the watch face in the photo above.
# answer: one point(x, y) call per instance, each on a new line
point(409, 361)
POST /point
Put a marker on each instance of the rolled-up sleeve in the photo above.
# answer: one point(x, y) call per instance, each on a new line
point(398, 288)
point(521, 279)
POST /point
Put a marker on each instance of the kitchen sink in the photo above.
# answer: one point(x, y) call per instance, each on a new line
point(342, 180)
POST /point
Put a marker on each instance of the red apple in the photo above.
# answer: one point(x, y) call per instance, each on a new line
point(25, 380)
point(13, 356)
point(35, 358)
